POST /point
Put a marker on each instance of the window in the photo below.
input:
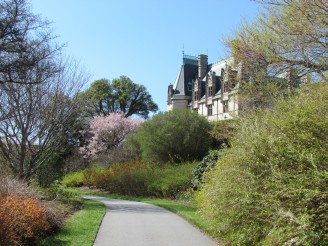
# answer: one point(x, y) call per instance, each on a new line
point(210, 91)
point(195, 95)
point(209, 110)
point(225, 106)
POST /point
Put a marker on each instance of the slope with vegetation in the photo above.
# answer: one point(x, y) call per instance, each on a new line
point(269, 187)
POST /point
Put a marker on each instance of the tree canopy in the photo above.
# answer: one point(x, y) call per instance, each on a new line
point(37, 87)
point(25, 44)
point(120, 96)
point(288, 35)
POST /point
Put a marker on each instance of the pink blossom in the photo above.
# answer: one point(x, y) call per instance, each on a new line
point(107, 132)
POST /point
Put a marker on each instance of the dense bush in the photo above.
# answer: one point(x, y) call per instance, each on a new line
point(19, 191)
point(22, 221)
point(52, 170)
point(170, 181)
point(269, 187)
point(138, 179)
point(175, 136)
point(74, 179)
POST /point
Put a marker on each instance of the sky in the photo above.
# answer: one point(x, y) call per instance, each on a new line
point(143, 39)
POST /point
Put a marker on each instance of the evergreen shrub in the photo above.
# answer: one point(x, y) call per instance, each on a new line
point(176, 136)
point(205, 165)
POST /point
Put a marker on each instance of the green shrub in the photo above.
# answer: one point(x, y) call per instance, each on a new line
point(127, 178)
point(269, 187)
point(90, 176)
point(136, 178)
point(50, 171)
point(175, 136)
point(171, 181)
point(73, 179)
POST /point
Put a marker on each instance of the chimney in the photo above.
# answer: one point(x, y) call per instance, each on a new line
point(202, 65)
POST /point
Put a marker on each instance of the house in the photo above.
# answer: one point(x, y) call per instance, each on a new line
point(209, 89)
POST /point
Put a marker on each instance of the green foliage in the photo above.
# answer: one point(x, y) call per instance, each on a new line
point(206, 164)
point(288, 34)
point(269, 187)
point(120, 96)
point(175, 136)
point(263, 92)
point(138, 179)
point(73, 179)
point(170, 181)
point(50, 171)
point(66, 197)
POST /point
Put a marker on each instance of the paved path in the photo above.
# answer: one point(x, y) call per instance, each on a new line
point(128, 223)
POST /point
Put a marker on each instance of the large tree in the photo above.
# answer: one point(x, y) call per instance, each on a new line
point(25, 43)
point(98, 99)
point(36, 118)
point(289, 35)
point(120, 96)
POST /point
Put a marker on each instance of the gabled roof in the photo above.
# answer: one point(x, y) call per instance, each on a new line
point(185, 76)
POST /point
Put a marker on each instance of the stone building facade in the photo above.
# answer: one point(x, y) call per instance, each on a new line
point(209, 89)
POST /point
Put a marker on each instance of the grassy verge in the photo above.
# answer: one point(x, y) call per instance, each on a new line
point(187, 212)
point(81, 229)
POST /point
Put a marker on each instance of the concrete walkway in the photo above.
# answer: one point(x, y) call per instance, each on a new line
point(128, 223)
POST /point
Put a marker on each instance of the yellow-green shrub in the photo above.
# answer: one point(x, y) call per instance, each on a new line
point(73, 179)
point(269, 187)
point(139, 179)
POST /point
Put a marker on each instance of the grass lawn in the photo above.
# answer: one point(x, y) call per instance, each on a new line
point(81, 229)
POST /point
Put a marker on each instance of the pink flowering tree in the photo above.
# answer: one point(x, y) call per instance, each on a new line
point(106, 133)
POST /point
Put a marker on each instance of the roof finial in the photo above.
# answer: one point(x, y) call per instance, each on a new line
point(182, 50)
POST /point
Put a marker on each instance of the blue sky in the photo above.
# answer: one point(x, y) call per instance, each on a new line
point(143, 39)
